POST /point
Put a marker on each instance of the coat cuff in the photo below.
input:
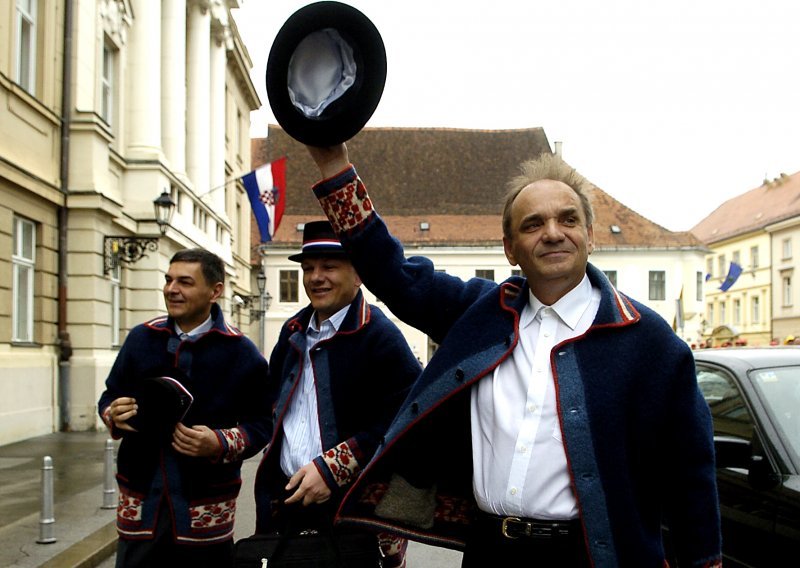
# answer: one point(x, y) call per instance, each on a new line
point(344, 200)
point(106, 417)
point(340, 465)
point(233, 443)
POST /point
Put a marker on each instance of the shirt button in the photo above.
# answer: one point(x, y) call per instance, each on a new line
point(531, 408)
point(513, 491)
point(522, 449)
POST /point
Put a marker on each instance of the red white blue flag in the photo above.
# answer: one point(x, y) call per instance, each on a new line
point(266, 189)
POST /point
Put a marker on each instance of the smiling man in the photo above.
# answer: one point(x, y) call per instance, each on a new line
point(179, 479)
point(339, 372)
point(559, 423)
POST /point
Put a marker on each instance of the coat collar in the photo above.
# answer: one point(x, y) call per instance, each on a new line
point(615, 308)
point(218, 323)
point(358, 315)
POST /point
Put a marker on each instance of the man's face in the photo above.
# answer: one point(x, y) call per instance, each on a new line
point(330, 283)
point(188, 295)
point(550, 240)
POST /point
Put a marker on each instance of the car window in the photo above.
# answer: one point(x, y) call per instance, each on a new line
point(779, 389)
point(730, 414)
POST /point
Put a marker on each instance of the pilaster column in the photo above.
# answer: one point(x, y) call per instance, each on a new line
point(173, 83)
point(198, 97)
point(218, 59)
point(144, 81)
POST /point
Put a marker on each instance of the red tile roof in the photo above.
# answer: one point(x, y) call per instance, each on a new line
point(452, 179)
point(772, 201)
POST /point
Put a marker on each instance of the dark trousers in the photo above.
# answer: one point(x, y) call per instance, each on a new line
point(163, 551)
point(487, 547)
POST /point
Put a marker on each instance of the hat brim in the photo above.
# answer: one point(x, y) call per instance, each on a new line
point(345, 117)
point(317, 254)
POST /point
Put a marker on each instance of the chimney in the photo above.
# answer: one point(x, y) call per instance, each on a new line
point(557, 144)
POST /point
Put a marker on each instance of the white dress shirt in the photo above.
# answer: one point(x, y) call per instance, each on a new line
point(520, 468)
point(301, 436)
point(196, 332)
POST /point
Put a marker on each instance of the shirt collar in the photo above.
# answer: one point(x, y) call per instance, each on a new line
point(569, 307)
point(336, 319)
point(199, 330)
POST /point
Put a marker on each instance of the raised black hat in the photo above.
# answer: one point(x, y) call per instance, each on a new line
point(325, 74)
point(162, 403)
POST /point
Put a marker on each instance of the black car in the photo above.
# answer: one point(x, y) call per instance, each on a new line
point(754, 397)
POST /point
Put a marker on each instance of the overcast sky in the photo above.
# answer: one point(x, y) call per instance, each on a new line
point(672, 107)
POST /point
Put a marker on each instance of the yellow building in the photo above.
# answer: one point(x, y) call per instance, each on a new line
point(752, 235)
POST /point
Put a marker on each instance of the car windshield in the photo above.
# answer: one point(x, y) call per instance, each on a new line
point(779, 388)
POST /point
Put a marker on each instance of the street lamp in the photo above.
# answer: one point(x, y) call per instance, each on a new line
point(125, 249)
point(261, 282)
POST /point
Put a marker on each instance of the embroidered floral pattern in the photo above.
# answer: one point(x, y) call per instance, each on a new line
point(343, 464)
point(129, 507)
point(393, 548)
point(235, 444)
point(347, 207)
point(212, 515)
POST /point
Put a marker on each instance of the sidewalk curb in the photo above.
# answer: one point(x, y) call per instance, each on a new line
point(89, 552)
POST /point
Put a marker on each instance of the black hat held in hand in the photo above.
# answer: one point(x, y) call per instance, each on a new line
point(325, 74)
point(162, 403)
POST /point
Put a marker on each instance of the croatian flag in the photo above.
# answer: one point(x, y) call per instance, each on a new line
point(266, 189)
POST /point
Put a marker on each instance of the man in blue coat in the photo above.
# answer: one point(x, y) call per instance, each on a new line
point(179, 478)
point(339, 372)
point(559, 423)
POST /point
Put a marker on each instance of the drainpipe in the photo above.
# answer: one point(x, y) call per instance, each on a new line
point(64, 343)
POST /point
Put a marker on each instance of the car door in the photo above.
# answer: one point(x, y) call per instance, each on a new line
point(748, 513)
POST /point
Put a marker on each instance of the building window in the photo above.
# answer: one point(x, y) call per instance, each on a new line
point(288, 285)
point(710, 267)
point(754, 257)
point(786, 249)
point(699, 287)
point(723, 316)
point(488, 274)
point(710, 314)
point(723, 267)
point(114, 276)
point(736, 257)
point(22, 262)
point(238, 133)
point(612, 277)
point(737, 312)
point(200, 217)
point(755, 308)
point(787, 290)
point(107, 84)
point(657, 281)
point(516, 272)
point(26, 44)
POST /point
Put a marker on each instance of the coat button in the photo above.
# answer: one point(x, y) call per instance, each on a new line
point(414, 408)
point(459, 375)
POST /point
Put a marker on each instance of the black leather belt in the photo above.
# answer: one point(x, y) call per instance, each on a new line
point(520, 527)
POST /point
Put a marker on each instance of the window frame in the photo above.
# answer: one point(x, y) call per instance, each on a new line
point(289, 286)
point(655, 286)
point(25, 60)
point(20, 263)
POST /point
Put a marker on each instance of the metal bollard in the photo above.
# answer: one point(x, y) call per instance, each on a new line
point(47, 516)
point(109, 485)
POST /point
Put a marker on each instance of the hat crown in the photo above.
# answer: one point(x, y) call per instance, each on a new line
point(319, 240)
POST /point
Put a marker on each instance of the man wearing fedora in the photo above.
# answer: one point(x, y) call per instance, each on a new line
point(178, 482)
point(339, 372)
point(541, 432)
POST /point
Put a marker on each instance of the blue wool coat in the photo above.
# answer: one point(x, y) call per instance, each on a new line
point(362, 374)
point(636, 430)
point(227, 376)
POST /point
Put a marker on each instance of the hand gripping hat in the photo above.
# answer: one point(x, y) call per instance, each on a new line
point(162, 403)
point(325, 73)
point(319, 240)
